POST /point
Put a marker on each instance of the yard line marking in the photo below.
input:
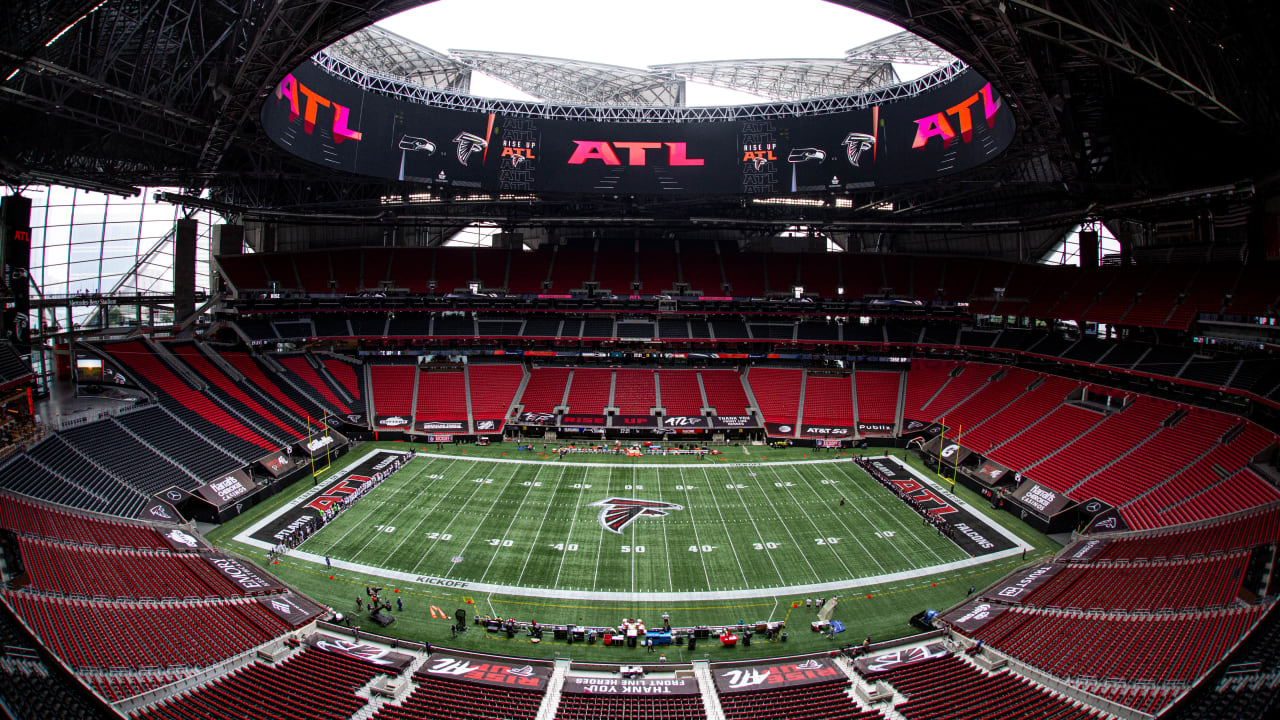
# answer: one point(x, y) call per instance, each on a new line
point(360, 524)
point(670, 582)
point(536, 534)
point(494, 503)
point(871, 525)
point(595, 578)
point(831, 547)
point(573, 518)
point(688, 504)
point(911, 530)
point(426, 514)
point(454, 517)
point(747, 511)
point(799, 548)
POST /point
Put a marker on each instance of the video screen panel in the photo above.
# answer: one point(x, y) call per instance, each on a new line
point(89, 369)
point(949, 129)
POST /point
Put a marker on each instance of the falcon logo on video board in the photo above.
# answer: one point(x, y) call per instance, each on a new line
point(855, 143)
point(469, 143)
point(617, 513)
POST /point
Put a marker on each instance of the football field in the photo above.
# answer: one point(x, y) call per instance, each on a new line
point(590, 527)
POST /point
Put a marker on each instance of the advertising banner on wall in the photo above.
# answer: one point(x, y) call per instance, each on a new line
point(734, 422)
point(899, 658)
point(500, 672)
point(763, 676)
point(628, 686)
point(1045, 501)
point(974, 615)
point(226, 489)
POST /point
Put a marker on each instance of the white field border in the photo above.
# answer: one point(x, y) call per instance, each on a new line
point(761, 592)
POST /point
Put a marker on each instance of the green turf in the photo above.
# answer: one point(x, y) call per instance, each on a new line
point(535, 518)
point(533, 525)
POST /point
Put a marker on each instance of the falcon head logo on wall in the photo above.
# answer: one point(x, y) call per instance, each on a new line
point(855, 143)
point(617, 513)
point(468, 143)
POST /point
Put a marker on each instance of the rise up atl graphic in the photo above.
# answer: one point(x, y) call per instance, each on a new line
point(520, 150)
point(758, 142)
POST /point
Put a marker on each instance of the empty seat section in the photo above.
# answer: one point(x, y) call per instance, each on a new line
point(1237, 533)
point(680, 392)
point(828, 400)
point(777, 390)
point(346, 375)
point(1057, 429)
point(633, 391)
point(313, 271)
point(724, 391)
point(949, 687)
point(491, 267)
point(248, 366)
point(545, 389)
point(158, 429)
point(309, 378)
point(245, 272)
point(745, 273)
point(121, 574)
point(441, 395)
point(630, 707)
point(985, 403)
point(1021, 414)
point(454, 269)
point(110, 446)
point(1195, 584)
point(235, 395)
point(659, 271)
point(1143, 648)
point(528, 271)
point(615, 270)
point(1104, 443)
point(36, 520)
point(826, 701)
point(970, 377)
point(345, 267)
point(877, 396)
point(90, 634)
point(194, 407)
point(571, 269)
point(493, 388)
point(1158, 458)
point(392, 387)
point(589, 390)
point(438, 698)
point(924, 380)
point(701, 270)
point(311, 684)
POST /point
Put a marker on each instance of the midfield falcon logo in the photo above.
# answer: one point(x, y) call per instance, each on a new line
point(617, 513)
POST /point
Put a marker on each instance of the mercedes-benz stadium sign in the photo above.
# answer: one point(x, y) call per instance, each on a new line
point(948, 128)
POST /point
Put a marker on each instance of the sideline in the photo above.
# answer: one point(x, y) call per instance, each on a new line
point(618, 596)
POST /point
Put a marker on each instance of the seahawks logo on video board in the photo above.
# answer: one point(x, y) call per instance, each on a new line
point(617, 513)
